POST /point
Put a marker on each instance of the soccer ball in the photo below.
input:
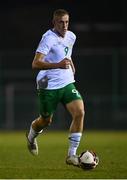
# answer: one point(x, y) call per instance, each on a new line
point(88, 160)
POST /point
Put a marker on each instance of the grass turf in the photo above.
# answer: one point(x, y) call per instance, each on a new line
point(17, 163)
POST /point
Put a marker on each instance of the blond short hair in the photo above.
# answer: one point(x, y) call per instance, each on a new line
point(60, 13)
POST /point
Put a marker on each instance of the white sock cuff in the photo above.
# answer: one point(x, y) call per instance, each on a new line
point(75, 134)
point(35, 132)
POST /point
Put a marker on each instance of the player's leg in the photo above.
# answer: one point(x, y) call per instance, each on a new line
point(76, 108)
point(36, 128)
point(47, 104)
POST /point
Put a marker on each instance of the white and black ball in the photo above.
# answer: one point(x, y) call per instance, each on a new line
point(88, 160)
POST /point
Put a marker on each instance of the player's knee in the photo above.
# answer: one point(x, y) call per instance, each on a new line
point(47, 121)
point(79, 113)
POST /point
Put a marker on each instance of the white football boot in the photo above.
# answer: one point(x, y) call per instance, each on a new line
point(73, 160)
point(32, 146)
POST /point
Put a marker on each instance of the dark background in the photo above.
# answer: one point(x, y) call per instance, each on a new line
point(100, 57)
point(23, 22)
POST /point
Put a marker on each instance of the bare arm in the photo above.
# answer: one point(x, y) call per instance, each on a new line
point(39, 63)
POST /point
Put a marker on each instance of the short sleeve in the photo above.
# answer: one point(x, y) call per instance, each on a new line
point(44, 45)
point(73, 37)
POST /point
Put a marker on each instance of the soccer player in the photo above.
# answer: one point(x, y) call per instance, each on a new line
point(55, 84)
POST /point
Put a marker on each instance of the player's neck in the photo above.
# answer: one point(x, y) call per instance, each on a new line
point(57, 33)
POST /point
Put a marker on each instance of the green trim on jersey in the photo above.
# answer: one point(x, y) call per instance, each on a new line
point(49, 99)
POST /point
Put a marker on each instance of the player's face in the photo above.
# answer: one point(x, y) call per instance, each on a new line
point(61, 24)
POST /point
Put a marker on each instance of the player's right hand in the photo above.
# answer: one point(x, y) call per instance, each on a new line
point(65, 63)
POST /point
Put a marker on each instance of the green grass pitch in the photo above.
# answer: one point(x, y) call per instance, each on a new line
point(17, 163)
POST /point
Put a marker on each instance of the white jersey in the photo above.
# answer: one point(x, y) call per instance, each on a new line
point(56, 48)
